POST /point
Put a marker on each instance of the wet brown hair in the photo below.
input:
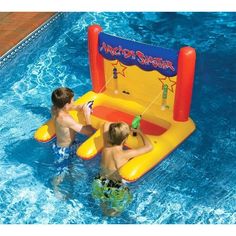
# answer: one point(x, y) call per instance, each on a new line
point(61, 96)
point(118, 132)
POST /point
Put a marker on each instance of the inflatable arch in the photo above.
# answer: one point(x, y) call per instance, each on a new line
point(129, 79)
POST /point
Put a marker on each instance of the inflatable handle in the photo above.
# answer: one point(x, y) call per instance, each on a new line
point(46, 132)
point(94, 144)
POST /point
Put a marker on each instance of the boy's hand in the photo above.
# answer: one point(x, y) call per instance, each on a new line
point(90, 104)
point(87, 108)
point(138, 130)
point(84, 106)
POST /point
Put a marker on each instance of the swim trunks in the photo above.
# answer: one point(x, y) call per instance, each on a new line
point(63, 156)
point(114, 193)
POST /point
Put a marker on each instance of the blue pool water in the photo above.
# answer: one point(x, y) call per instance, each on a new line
point(194, 184)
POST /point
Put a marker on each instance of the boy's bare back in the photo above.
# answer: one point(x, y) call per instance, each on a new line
point(114, 156)
point(65, 135)
point(111, 162)
point(65, 126)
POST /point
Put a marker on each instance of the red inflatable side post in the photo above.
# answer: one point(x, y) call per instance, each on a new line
point(95, 59)
point(184, 84)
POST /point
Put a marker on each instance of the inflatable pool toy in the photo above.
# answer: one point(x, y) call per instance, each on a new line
point(135, 80)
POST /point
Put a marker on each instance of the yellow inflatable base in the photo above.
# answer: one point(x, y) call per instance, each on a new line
point(164, 133)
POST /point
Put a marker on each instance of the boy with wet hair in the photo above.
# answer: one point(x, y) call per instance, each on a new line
point(66, 128)
point(108, 187)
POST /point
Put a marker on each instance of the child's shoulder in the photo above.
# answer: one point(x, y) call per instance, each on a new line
point(63, 117)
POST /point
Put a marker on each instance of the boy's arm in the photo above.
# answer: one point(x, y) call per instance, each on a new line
point(86, 110)
point(87, 113)
point(126, 155)
point(79, 128)
point(76, 107)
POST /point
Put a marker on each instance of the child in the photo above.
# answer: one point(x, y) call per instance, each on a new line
point(108, 186)
point(66, 128)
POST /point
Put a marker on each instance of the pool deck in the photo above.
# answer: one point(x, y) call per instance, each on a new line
point(15, 26)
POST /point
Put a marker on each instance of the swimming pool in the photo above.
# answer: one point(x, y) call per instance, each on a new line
point(194, 184)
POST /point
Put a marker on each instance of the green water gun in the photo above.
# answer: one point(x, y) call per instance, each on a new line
point(136, 123)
